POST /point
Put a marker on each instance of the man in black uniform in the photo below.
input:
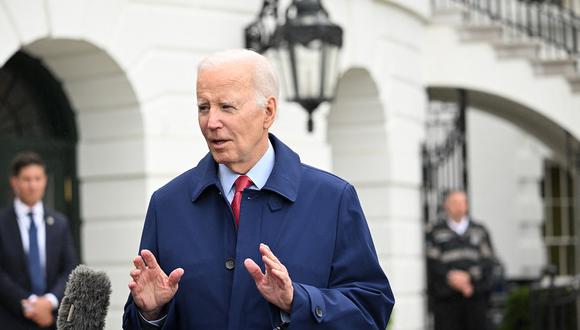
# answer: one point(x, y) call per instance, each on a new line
point(460, 263)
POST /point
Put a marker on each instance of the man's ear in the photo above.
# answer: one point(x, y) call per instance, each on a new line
point(13, 184)
point(271, 111)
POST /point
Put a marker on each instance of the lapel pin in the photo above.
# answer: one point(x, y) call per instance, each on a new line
point(50, 221)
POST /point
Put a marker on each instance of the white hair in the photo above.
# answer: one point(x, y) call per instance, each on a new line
point(264, 77)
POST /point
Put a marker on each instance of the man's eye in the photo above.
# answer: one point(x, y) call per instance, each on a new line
point(202, 108)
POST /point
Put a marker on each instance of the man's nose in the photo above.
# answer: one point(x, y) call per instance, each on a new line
point(214, 120)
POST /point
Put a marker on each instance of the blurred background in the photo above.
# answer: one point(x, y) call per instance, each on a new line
point(404, 99)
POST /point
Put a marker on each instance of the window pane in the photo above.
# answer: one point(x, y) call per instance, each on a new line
point(571, 259)
point(572, 223)
point(555, 181)
point(556, 220)
point(554, 257)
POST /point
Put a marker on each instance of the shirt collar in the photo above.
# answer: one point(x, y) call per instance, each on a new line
point(458, 227)
point(259, 173)
point(22, 210)
point(284, 180)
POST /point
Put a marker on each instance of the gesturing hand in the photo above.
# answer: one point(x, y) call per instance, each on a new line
point(150, 287)
point(275, 285)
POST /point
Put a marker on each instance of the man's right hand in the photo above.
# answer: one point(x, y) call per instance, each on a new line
point(460, 281)
point(150, 287)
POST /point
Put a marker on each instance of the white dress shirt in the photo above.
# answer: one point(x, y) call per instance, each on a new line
point(37, 210)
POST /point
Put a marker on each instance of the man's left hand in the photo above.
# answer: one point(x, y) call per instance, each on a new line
point(275, 285)
point(39, 310)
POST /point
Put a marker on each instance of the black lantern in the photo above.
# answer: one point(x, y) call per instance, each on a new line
point(308, 45)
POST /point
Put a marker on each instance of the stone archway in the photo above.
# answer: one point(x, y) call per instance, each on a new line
point(512, 151)
point(377, 153)
point(35, 115)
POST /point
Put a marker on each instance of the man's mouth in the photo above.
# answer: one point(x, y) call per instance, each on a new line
point(218, 142)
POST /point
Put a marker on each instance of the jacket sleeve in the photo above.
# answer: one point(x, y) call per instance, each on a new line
point(437, 270)
point(68, 260)
point(483, 278)
point(358, 295)
point(11, 294)
point(131, 318)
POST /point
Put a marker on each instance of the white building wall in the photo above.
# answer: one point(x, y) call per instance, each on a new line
point(506, 167)
point(456, 63)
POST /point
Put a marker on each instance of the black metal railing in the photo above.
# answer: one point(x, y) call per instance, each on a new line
point(555, 307)
point(551, 23)
point(444, 153)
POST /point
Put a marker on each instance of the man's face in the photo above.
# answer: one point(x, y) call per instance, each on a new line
point(456, 205)
point(234, 126)
point(29, 185)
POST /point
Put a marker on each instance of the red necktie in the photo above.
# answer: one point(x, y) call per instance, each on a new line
point(242, 182)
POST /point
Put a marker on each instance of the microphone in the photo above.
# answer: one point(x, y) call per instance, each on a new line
point(86, 300)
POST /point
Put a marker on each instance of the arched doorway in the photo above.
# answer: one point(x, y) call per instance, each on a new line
point(109, 156)
point(35, 114)
point(542, 179)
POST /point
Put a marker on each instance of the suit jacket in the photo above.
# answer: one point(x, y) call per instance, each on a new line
point(14, 280)
point(312, 221)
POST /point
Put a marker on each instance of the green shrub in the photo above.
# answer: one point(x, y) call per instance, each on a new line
point(517, 313)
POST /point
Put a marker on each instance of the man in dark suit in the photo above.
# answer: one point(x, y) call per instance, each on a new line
point(36, 251)
point(252, 238)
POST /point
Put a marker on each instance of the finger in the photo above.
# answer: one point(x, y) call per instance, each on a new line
point(134, 287)
point(149, 259)
point(281, 276)
point(135, 273)
point(269, 259)
point(270, 264)
point(175, 276)
point(139, 263)
point(254, 270)
point(265, 251)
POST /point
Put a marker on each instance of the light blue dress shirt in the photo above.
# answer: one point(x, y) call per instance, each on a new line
point(259, 174)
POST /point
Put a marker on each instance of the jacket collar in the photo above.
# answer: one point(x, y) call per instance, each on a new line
point(284, 179)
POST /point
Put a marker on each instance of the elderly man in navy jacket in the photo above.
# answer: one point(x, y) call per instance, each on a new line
point(251, 238)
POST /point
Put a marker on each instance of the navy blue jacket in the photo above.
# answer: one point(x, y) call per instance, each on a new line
point(312, 221)
point(61, 259)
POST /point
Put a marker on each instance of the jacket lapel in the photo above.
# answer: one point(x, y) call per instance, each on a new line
point(14, 239)
point(50, 244)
